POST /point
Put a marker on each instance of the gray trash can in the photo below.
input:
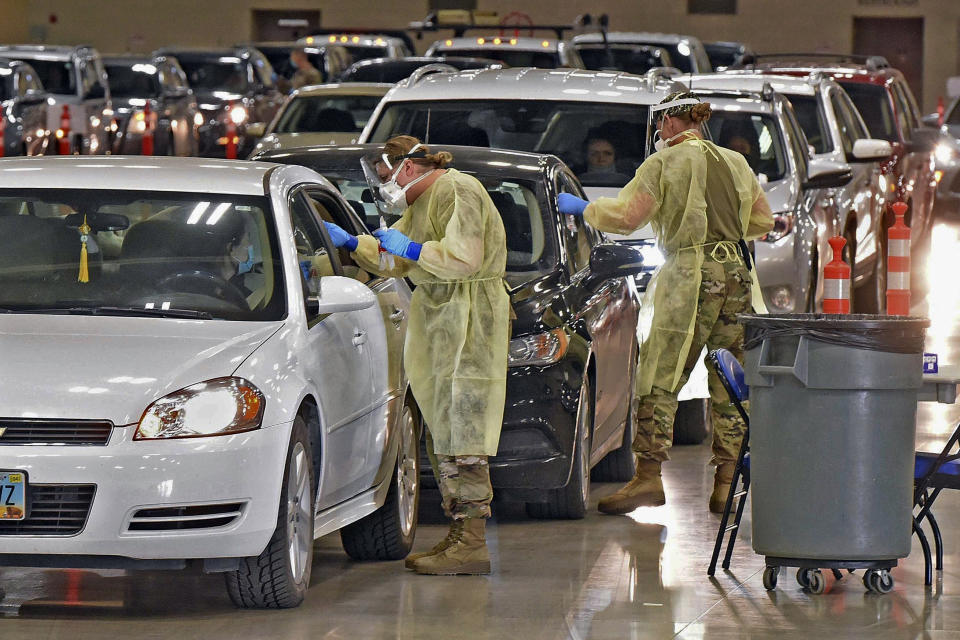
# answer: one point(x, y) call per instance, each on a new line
point(833, 406)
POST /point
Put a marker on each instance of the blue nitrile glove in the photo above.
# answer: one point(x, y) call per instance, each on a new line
point(305, 266)
point(398, 244)
point(571, 205)
point(340, 237)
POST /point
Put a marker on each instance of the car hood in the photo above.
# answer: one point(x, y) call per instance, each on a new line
point(96, 367)
point(292, 140)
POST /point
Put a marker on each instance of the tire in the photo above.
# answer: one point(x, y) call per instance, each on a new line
point(770, 575)
point(279, 577)
point(388, 532)
point(620, 465)
point(692, 422)
point(816, 583)
point(570, 502)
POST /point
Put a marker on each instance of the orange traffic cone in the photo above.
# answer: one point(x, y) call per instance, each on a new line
point(898, 264)
point(146, 142)
point(231, 150)
point(836, 280)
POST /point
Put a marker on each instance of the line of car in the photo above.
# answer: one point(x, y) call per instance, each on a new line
point(227, 386)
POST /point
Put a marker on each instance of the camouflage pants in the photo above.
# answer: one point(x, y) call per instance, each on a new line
point(464, 482)
point(724, 292)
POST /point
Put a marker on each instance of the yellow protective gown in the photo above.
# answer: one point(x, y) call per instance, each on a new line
point(668, 192)
point(458, 332)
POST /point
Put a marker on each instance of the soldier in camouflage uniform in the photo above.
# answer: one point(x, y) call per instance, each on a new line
point(703, 202)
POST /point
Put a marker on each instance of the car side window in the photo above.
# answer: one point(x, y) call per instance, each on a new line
point(313, 255)
point(329, 210)
point(579, 237)
point(798, 141)
point(90, 80)
point(906, 119)
point(847, 127)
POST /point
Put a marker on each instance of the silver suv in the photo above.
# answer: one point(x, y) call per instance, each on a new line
point(75, 78)
point(836, 132)
point(687, 53)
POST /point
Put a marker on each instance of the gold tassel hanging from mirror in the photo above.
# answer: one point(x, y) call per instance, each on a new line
point(84, 275)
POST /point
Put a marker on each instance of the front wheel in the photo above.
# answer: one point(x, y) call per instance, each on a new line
point(278, 578)
point(388, 532)
point(570, 502)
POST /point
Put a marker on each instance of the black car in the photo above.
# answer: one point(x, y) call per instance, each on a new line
point(23, 109)
point(574, 344)
point(394, 70)
point(235, 84)
point(174, 114)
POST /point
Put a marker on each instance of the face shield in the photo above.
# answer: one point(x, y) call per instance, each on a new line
point(658, 111)
point(381, 176)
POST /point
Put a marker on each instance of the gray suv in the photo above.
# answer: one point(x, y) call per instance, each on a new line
point(75, 78)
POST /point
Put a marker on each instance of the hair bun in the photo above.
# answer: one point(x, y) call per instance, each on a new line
point(701, 112)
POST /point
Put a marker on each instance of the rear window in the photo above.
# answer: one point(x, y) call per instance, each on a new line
point(631, 59)
point(58, 76)
point(757, 137)
point(225, 74)
point(511, 57)
point(312, 114)
point(573, 131)
point(873, 103)
point(813, 122)
point(133, 81)
point(360, 52)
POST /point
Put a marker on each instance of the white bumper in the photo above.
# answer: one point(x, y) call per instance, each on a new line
point(246, 468)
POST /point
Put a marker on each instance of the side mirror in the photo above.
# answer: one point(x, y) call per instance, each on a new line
point(870, 150)
point(611, 260)
point(931, 120)
point(826, 174)
point(256, 129)
point(339, 294)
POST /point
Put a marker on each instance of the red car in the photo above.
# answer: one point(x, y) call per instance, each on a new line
point(890, 112)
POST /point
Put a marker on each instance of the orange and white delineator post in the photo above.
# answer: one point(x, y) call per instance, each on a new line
point(63, 134)
point(230, 152)
point(146, 141)
point(898, 264)
point(836, 280)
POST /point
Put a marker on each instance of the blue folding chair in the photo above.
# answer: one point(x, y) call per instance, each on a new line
point(731, 376)
point(932, 474)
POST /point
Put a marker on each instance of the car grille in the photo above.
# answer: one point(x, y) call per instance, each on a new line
point(54, 432)
point(54, 510)
point(204, 516)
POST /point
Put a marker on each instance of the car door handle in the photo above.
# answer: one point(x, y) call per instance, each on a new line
point(397, 316)
point(359, 338)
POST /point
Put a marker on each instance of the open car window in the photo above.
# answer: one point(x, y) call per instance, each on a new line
point(214, 254)
point(758, 137)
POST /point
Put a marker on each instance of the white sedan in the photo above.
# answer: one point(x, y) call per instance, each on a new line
point(191, 372)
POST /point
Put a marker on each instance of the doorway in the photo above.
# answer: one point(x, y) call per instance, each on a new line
point(282, 25)
point(899, 40)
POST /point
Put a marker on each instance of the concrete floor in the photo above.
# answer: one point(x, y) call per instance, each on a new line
point(636, 576)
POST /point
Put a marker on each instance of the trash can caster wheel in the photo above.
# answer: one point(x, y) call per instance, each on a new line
point(816, 582)
point(802, 578)
point(879, 581)
point(770, 575)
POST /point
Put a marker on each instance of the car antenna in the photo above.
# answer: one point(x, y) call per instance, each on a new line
point(426, 136)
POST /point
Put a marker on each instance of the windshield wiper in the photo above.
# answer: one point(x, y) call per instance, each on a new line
point(118, 311)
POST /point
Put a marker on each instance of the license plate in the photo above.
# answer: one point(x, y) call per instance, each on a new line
point(13, 495)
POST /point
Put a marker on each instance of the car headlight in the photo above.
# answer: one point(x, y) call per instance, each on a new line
point(238, 114)
point(537, 349)
point(215, 407)
point(198, 119)
point(943, 153)
point(782, 226)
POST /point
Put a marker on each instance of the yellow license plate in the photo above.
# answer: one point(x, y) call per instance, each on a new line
point(13, 495)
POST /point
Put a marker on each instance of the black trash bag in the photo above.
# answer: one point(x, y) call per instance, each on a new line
point(893, 334)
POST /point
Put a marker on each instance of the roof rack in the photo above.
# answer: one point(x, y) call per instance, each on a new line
point(389, 33)
point(428, 70)
point(873, 63)
point(433, 23)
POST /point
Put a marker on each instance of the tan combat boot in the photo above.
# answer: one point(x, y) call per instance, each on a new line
point(467, 555)
point(645, 490)
point(456, 526)
point(721, 486)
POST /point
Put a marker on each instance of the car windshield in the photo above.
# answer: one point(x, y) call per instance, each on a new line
point(225, 74)
point(812, 122)
point(148, 253)
point(510, 57)
point(314, 114)
point(721, 56)
point(573, 131)
point(873, 103)
point(57, 76)
point(632, 59)
point(363, 52)
point(133, 80)
point(755, 136)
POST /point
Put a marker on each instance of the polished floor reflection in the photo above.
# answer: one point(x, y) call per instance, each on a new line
point(636, 576)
